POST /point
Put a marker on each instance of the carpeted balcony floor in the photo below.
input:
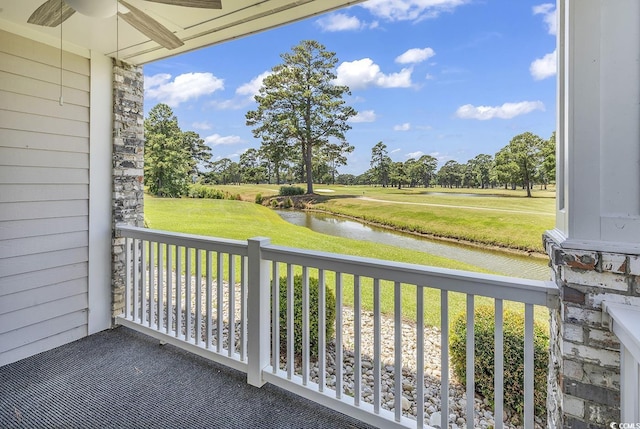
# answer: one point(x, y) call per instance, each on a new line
point(122, 379)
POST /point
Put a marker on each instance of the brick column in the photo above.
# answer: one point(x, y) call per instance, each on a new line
point(585, 378)
point(128, 165)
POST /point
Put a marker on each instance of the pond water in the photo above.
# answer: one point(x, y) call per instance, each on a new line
point(499, 262)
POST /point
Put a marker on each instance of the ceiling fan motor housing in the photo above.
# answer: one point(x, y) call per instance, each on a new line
point(94, 8)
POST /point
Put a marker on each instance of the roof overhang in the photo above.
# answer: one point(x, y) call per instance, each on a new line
point(197, 28)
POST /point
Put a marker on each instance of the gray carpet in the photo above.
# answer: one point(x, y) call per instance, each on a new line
point(122, 379)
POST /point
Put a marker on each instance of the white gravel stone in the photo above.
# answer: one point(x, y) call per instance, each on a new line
point(434, 420)
point(405, 404)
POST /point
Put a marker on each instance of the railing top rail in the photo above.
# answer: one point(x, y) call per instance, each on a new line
point(494, 286)
point(236, 247)
point(528, 291)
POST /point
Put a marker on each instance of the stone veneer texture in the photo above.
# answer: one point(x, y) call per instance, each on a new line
point(584, 392)
point(128, 166)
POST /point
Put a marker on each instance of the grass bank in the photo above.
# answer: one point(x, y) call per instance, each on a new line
point(243, 220)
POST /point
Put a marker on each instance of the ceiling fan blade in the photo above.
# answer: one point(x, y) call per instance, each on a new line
point(203, 4)
point(150, 27)
point(48, 14)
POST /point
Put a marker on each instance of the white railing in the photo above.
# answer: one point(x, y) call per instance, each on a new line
point(173, 289)
point(188, 291)
point(623, 320)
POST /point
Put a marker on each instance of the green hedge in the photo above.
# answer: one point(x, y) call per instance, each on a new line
point(330, 312)
point(202, 191)
point(197, 190)
point(291, 190)
point(513, 340)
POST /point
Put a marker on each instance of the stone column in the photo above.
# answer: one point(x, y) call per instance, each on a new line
point(128, 166)
point(595, 248)
point(586, 353)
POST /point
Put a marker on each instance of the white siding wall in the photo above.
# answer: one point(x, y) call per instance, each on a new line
point(44, 197)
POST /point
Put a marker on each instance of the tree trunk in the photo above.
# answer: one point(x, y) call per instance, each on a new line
point(308, 167)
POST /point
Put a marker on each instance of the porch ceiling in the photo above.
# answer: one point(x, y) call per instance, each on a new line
point(195, 27)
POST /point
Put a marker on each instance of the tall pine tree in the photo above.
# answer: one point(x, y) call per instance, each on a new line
point(299, 104)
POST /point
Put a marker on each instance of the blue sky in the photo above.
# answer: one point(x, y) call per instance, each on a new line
point(449, 78)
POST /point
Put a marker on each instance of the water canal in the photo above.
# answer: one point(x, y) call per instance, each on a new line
point(500, 262)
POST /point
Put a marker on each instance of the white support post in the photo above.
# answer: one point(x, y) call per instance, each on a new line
point(339, 347)
point(598, 108)
point(257, 312)
point(357, 341)
point(498, 386)
point(275, 317)
point(470, 365)
point(377, 346)
point(444, 358)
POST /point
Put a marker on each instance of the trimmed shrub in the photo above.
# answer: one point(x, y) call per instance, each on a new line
point(330, 312)
point(291, 190)
point(197, 190)
point(513, 340)
point(258, 198)
point(288, 203)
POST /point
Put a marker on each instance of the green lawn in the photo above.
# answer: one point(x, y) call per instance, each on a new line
point(243, 220)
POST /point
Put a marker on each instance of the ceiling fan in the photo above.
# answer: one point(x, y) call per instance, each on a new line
point(54, 12)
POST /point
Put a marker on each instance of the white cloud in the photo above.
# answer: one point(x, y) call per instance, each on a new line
point(340, 22)
point(364, 116)
point(429, 76)
point(415, 55)
point(252, 87)
point(411, 10)
point(362, 73)
point(548, 12)
point(506, 111)
point(415, 155)
point(395, 150)
point(217, 140)
point(402, 127)
point(155, 80)
point(544, 67)
point(231, 103)
point(185, 87)
point(245, 94)
point(201, 125)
